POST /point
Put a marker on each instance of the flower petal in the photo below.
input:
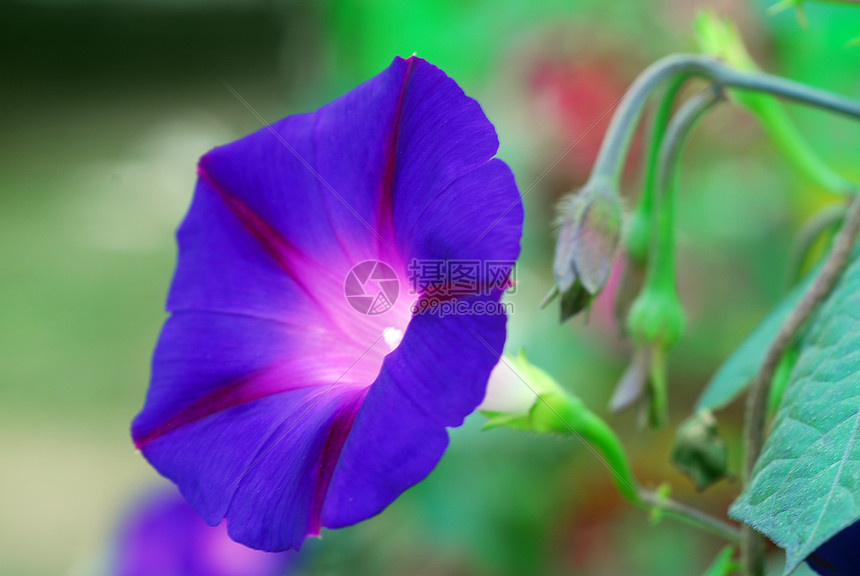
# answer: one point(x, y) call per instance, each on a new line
point(442, 136)
point(433, 380)
point(205, 421)
point(317, 179)
point(299, 459)
point(224, 266)
point(479, 216)
point(227, 464)
point(208, 362)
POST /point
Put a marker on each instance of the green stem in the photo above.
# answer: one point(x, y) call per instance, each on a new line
point(593, 431)
point(639, 237)
point(792, 146)
point(658, 408)
point(613, 151)
point(690, 515)
point(562, 413)
point(570, 415)
point(812, 230)
point(661, 275)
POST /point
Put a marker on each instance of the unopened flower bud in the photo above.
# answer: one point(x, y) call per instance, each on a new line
point(657, 317)
point(700, 452)
point(656, 322)
point(515, 386)
point(589, 228)
point(551, 409)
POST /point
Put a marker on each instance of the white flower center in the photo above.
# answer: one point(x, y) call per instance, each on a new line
point(392, 336)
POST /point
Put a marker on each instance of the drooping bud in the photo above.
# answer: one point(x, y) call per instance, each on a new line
point(700, 452)
point(657, 321)
point(589, 227)
point(657, 316)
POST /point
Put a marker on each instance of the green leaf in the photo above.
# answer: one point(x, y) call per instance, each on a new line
point(738, 371)
point(805, 487)
point(723, 564)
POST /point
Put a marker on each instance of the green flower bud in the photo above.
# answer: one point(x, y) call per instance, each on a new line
point(700, 452)
point(657, 316)
point(656, 319)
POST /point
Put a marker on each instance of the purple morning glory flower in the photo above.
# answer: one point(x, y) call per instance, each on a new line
point(292, 386)
point(840, 555)
point(162, 535)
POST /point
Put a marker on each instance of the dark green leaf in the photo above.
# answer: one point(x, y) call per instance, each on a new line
point(806, 485)
point(738, 371)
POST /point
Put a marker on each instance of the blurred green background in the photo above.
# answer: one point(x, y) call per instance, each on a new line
point(106, 106)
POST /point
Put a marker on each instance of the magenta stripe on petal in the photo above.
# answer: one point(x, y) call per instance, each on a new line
point(386, 197)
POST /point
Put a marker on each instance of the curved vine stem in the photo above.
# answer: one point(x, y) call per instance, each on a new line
point(756, 408)
point(810, 233)
point(639, 235)
point(663, 243)
point(615, 145)
point(690, 515)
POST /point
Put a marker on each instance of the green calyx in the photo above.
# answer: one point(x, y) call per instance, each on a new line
point(657, 317)
point(657, 322)
point(556, 411)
